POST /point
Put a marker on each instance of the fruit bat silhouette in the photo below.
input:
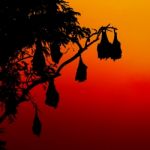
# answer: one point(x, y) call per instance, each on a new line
point(52, 96)
point(81, 73)
point(55, 52)
point(38, 62)
point(36, 128)
point(116, 48)
point(104, 47)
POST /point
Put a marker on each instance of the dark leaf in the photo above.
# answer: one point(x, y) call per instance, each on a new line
point(104, 48)
point(116, 48)
point(81, 74)
point(36, 128)
point(52, 96)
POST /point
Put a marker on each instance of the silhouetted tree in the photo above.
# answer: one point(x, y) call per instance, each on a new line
point(32, 36)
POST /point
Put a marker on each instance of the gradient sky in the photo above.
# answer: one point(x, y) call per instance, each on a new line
point(111, 110)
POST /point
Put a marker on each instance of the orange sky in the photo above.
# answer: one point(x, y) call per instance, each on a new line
point(109, 111)
point(132, 20)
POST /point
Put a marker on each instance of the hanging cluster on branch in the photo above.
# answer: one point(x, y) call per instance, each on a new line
point(34, 32)
point(109, 50)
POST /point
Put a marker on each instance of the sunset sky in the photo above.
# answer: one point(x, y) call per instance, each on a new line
point(109, 111)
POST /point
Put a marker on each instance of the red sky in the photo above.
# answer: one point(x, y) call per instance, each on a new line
point(111, 110)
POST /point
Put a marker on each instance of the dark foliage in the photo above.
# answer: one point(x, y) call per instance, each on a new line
point(22, 22)
point(25, 24)
point(8, 89)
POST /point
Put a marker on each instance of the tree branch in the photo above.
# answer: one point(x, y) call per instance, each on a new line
point(42, 80)
point(57, 73)
point(80, 51)
point(23, 59)
point(98, 32)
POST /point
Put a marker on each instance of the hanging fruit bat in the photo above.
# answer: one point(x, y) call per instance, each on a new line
point(55, 52)
point(52, 96)
point(36, 128)
point(81, 74)
point(104, 47)
point(116, 48)
point(38, 62)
